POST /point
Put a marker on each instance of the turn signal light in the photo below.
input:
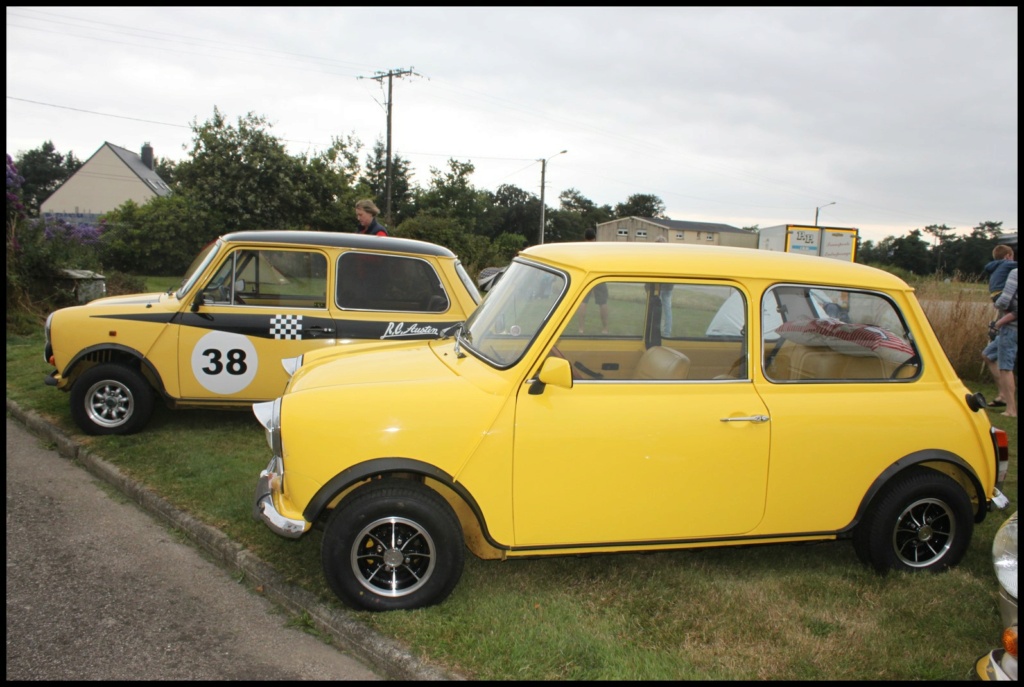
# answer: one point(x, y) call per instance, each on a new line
point(1010, 640)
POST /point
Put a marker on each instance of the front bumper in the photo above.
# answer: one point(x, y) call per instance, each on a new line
point(997, 664)
point(263, 509)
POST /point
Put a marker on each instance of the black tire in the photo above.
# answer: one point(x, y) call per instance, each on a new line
point(923, 520)
point(393, 545)
point(111, 399)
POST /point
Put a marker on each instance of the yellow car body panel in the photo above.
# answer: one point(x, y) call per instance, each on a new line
point(731, 451)
point(250, 300)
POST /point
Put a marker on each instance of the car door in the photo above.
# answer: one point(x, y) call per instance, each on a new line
point(626, 459)
point(260, 305)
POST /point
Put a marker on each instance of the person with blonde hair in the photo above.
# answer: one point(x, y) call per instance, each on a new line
point(366, 215)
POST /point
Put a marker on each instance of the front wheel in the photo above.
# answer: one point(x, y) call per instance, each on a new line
point(923, 520)
point(111, 399)
point(393, 545)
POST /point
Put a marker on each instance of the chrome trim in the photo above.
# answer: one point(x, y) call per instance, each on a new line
point(263, 508)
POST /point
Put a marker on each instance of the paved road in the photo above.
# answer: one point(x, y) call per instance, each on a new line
point(97, 590)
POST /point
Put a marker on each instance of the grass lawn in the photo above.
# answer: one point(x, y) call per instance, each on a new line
point(773, 612)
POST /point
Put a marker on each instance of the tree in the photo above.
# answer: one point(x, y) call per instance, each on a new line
point(641, 205)
point(450, 194)
point(910, 252)
point(942, 235)
point(43, 170)
point(241, 177)
point(161, 237)
point(375, 177)
point(577, 213)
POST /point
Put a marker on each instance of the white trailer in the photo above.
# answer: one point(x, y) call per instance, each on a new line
point(839, 243)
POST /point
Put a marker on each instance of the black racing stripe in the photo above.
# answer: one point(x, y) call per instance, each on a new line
point(281, 325)
point(162, 318)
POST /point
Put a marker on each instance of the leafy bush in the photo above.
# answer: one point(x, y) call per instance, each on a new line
point(160, 237)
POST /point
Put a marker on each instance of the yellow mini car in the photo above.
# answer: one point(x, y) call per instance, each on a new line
point(622, 397)
point(249, 300)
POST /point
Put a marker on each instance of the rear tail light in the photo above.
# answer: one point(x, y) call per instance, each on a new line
point(1002, 449)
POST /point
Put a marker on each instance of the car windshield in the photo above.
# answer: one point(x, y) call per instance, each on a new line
point(508, 320)
point(198, 266)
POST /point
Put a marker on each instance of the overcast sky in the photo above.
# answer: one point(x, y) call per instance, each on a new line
point(901, 117)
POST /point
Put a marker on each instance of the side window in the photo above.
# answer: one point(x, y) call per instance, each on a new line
point(656, 331)
point(821, 334)
point(371, 281)
point(272, 278)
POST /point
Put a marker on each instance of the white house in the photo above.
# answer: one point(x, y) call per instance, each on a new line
point(110, 177)
point(631, 229)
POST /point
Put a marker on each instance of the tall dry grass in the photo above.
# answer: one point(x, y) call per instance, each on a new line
point(959, 313)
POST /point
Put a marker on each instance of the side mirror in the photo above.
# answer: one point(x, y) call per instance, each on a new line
point(554, 371)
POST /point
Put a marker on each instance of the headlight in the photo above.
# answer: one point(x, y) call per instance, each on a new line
point(269, 415)
point(1004, 555)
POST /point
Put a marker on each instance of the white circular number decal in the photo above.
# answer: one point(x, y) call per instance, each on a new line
point(224, 363)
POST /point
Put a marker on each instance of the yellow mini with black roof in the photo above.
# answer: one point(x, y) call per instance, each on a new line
point(249, 300)
point(731, 397)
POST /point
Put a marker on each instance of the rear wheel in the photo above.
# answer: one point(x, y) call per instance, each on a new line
point(111, 399)
point(393, 545)
point(923, 520)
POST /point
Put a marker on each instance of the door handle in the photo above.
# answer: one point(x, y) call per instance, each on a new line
point(321, 330)
point(749, 418)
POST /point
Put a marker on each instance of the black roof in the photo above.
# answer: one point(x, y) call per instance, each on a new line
point(135, 163)
point(341, 240)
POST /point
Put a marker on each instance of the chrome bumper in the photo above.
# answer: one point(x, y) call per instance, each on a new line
point(997, 665)
point(263, 508)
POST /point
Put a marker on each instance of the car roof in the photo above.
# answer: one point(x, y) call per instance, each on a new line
point(708, 261)
point(341, 240)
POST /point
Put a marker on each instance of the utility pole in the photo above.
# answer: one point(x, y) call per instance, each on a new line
point(543, 169)
point(380, 76)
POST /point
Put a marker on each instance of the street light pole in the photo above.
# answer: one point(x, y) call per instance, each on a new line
point(818, 208)
point(543, 170)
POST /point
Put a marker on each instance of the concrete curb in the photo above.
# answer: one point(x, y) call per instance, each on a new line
point(385, 656)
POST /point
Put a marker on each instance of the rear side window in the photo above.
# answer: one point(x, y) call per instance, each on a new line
point(372, 281)
point(817, 334)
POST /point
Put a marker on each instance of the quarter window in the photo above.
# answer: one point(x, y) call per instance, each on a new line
point(817, 334)
point(371, 281)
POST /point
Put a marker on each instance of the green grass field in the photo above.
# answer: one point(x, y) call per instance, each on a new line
point(773, 612)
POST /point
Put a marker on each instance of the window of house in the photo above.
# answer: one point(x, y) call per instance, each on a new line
point(679, 236)
point(640, 234)
point(368, 281)
point(818, 334)
point(623, 232)
point(710, 236)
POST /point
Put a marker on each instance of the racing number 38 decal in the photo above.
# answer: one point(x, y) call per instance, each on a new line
point(224, 363)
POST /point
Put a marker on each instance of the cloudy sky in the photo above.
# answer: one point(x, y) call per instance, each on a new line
point(901, 117)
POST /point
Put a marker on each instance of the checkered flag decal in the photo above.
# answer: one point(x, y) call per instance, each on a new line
point(286, 326)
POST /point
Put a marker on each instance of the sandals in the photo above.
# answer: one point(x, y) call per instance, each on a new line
point(997, 404)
